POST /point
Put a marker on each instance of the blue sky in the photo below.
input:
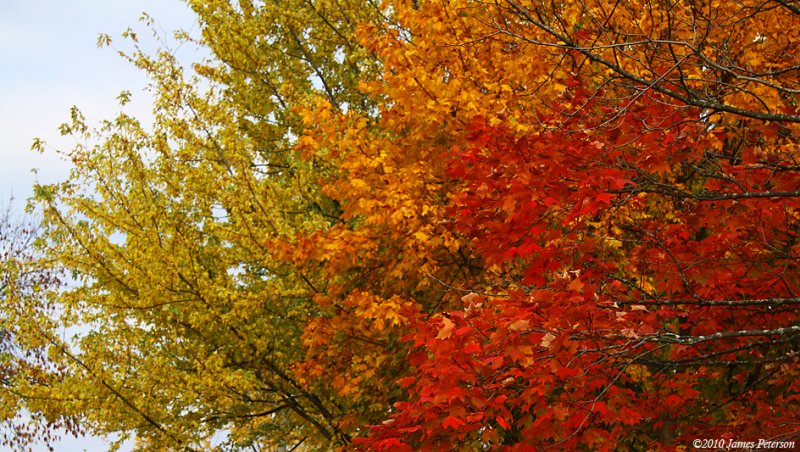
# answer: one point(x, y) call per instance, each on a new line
point(49, 62)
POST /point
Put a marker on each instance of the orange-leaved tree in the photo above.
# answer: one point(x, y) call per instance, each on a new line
point(193, 301)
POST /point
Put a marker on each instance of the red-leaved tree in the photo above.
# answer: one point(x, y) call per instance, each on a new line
point(640, 244)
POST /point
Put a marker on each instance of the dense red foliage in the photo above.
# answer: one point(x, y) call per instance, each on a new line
point(644, 292)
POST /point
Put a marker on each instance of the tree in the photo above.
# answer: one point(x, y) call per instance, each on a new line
point(633, 199)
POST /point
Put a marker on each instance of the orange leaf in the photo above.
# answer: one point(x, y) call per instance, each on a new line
point(518, 325)
point(446, 330)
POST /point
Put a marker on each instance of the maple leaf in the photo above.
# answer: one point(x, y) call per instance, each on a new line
point(547, 339)
point(446, 329)
point(503, 423)
point(452, 422)
point(519, 325)
point(472, 298)
point(472, 347)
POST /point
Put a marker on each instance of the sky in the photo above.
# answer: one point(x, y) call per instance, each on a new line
point(49, 62)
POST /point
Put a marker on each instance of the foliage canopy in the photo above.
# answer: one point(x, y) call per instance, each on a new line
point(446, 224)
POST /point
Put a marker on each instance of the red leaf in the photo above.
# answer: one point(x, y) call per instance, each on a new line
point(472, 347)
point(502, 422)
point(629, 417)
point(407, 381)
point(604, 198)
point(452, 422)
